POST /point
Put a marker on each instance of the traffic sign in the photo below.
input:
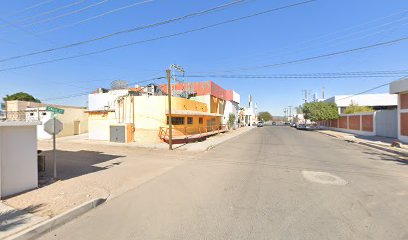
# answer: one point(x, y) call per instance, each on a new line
point(49, 126)
point(55, 110)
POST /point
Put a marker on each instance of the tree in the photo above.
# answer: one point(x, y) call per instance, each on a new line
point(22, 96)
point(320, 111)
point(231, 120)
point(265, 116)
point(355, 108)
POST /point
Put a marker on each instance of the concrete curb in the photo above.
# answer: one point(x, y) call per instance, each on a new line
point(376, 146)
point(50, 224)
point(212, 146)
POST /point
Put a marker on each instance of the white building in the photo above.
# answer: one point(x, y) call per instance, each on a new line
point(400, 87)
point(18, 157)
point(380, 101)
point(250, 113)
point(232, 106)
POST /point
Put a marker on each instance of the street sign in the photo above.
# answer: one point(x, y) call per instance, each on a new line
point(55, 110)
point(49, 126)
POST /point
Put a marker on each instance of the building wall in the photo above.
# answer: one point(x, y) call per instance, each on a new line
point(148, 113)
point(231, 107)
point(70, 116)
point(18, 159)
point(359, 123)
point(98, 125)
point(403, 117)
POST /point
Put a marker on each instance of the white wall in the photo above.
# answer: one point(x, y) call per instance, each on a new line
point(18, 158)
point(231, 107)
point(101, 101)
point(382, 99)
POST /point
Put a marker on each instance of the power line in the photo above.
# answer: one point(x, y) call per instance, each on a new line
point(29, 8)
point(89, 92)
point(66, 14)
point(153, 39)
point(366, 91)
point(46, 13)
point(372, 74)
point(308, 44)
point(97, 16)
point(207, 11)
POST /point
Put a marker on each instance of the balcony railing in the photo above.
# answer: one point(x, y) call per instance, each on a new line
point(183, 132)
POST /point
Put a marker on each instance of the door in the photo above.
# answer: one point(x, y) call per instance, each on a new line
point(118, 134)
point(77, 127)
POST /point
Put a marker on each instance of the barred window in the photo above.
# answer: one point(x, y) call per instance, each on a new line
point(189, 120)
point(176, 120)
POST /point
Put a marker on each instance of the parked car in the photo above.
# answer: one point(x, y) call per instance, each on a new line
point(260, 124)
point(273, 123)
point(293, 124)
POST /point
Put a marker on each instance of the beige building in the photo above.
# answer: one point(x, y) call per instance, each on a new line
point(75, 119)
point(143, 118)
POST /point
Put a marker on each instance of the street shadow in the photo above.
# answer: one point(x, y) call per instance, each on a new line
point(376, 138)
point(375, 156)
point(13, 218)
point(71, 164)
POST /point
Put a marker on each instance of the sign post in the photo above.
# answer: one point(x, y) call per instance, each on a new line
point(54, 126)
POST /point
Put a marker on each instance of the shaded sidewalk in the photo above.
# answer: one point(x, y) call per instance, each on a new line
point(14, 220)
point(380, 143)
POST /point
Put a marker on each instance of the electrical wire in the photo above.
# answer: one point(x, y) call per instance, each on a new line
point(95, 17)
point(29, 8)
point(207, 11)
point(66, 14)
point(45, 13)
point(91, 91)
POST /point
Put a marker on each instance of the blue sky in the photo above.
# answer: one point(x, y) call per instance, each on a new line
point(312, 29)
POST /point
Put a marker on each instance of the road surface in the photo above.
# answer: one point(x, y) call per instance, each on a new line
point(273, 182)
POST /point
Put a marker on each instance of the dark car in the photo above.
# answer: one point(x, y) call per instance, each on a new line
point(273, 123)
point(260, 124)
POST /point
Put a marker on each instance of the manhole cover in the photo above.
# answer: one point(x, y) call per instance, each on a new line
point(323, 178)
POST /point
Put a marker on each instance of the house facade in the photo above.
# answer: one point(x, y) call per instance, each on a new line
point(75, 119)
point(400, 88)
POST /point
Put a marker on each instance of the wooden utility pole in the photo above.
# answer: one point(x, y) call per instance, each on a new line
point(168, 71)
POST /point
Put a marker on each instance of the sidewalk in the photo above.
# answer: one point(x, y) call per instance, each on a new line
point(94, 170)
point(380, 143)
point(14, 220)
point(192, 146)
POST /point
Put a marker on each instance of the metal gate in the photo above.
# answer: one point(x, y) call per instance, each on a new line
point(386, 123)
point(118, 134)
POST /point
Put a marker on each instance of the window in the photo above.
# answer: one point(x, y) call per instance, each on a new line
point(44, 113)
point(31, 114)
point(189, 120)
point(200, 120)
point(176, 120)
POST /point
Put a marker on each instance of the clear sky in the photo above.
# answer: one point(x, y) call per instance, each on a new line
point(320, 27)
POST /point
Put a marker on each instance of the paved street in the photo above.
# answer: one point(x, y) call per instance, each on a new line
point(269, 183)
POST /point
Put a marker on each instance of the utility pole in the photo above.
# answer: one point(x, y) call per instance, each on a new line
point(323, 89)
point(168, 72)
point(290, 112)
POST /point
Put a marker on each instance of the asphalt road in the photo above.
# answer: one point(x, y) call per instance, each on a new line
point(270, 183)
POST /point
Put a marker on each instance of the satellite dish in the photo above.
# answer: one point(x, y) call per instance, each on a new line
point(119, 84)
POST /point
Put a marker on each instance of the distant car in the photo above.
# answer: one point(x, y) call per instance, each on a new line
point(302, 126)
point(273, 123)
point(260, 124)
point(293, 124)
